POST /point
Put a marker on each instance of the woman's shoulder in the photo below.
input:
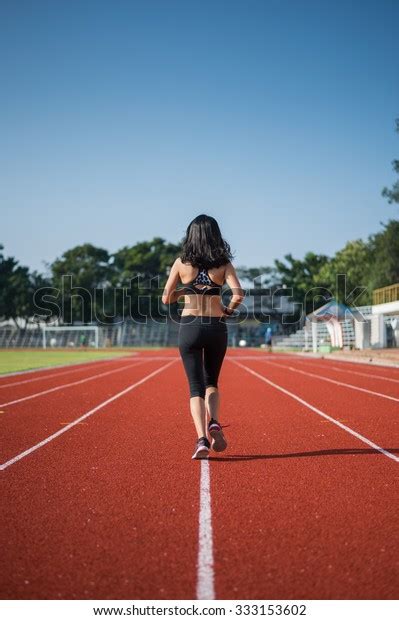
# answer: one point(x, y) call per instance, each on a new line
point(228, 266)
point(178, 264)
point(220, 272)
point(181, 266)
point(185, 264)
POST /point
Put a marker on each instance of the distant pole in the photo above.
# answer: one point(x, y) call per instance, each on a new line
point(314, 336)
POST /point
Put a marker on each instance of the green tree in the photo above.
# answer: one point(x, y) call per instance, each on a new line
point(303, 276)
point(81, 275)
point(393, 194)
point(384, 248)
point(39, 287)
point(258, 276)
point(143, 269)
point(7, 269)
point(354, 261)
point(17, 288)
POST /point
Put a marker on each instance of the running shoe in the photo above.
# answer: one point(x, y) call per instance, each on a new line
point(219, 442)
point(201, 449)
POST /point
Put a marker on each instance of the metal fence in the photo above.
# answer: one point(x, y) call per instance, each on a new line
point(128, 334)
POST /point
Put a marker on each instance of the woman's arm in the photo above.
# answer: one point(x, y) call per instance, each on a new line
point(237, 292)
point(170, 294)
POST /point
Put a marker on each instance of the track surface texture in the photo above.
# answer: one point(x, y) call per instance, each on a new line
point(101, 500)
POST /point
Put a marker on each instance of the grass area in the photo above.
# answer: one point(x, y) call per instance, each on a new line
point(13, 360)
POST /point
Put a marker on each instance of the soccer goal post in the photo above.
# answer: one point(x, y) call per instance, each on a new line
point(70, 337)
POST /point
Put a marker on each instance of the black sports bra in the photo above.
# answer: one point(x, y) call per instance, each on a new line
point(203, 278)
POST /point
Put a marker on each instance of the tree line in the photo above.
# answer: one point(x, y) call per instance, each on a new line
point(93, 282)
point(101, 279)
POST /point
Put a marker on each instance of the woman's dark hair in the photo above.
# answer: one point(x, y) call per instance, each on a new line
point(203, 245)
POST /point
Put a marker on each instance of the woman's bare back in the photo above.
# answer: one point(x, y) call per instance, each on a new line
point(202, 305)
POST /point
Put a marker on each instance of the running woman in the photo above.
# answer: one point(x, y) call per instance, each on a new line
point(203, 268)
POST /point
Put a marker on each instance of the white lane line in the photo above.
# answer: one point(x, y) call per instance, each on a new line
point(260, 356)
point(359, 362)
point(61, 366)
point(205, 571)
point(328, 366)
point(365, 374)
point(349, 430)
point(159, 357)
point(83, 417)
point(66, 385)
point(342, 383)
point(82, 368)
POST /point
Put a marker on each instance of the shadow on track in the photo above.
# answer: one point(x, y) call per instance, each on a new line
point(288, 455)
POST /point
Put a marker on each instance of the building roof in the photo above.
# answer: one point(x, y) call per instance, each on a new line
point(334, 309)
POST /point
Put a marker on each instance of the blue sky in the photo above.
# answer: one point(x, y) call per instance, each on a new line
point(121, 121)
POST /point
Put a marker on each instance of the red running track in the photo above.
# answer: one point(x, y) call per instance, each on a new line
point(100, 498)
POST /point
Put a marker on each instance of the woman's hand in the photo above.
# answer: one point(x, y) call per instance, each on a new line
point(182, 291)
point(177, 293)
point(229, 311)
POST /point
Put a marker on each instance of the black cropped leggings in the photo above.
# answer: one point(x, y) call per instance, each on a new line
point(202, 346)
